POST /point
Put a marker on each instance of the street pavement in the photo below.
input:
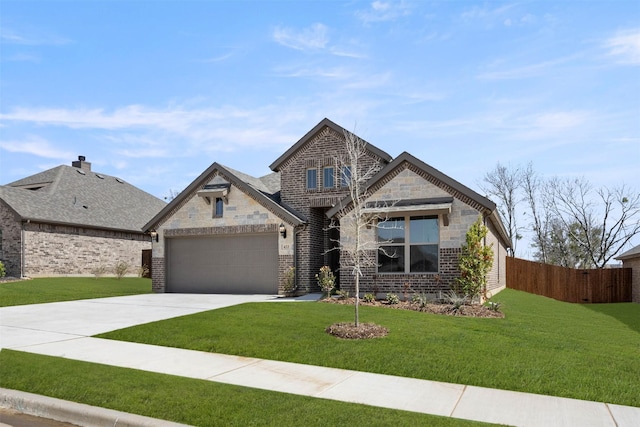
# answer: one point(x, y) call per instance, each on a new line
point(64, 329)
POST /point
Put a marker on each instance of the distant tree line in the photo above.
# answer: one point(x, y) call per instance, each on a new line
point(572, 223)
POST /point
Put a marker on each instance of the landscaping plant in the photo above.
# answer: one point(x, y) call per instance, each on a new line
point(326, 280)
point(475, 262)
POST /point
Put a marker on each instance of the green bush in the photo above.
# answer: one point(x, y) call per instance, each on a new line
point(326, 280)
point(369, 298)
point(475, 262)
point(342, 294)
point(3, 272)
point(393, 299)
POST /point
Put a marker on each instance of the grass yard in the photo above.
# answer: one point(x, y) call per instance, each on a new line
point(195, 402)
point(542, 346)
point(53, 289)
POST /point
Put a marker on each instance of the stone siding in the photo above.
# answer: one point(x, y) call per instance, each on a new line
point(10, 243)
point(58, 250)
point(195, 216)
point(406, 184)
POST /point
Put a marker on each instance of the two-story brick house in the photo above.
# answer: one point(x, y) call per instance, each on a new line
point(231, 233)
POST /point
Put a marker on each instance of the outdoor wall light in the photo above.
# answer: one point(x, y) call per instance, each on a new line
point(154, 235)
point(283, 231)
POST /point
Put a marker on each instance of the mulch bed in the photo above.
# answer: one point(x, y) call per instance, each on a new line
point(371, 330)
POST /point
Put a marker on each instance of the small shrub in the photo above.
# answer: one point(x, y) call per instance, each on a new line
point(369, 298)
point(120, 269)
point(342, 294)
point(326, 280)
point(143, 271)
point(455, 299)
point(421, 299)
point(99, 271)
point(493, 306)
point(289, 287)
point(3, 271)
point(393, 299)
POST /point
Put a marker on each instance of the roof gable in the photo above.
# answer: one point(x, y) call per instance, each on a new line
point(449, 185)
point(264, 190)
point(325, 123)
point(72, 196)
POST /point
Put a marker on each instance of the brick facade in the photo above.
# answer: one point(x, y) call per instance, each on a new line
point(324, 149)
point(57, 250)
point(312, 244)
point(33, 249)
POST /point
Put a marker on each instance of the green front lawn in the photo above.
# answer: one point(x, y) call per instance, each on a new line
point(194, 402)
point(53, 289)
point(542, 346)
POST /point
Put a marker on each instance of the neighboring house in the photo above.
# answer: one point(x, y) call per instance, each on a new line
point(70, 221)
point(631, 259)
point(231, 233)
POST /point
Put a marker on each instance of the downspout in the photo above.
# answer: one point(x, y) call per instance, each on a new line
point(296, 230)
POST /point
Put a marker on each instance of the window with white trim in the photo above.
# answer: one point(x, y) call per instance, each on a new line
point(408, 244)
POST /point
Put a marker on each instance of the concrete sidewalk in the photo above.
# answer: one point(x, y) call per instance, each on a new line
point(68, 337)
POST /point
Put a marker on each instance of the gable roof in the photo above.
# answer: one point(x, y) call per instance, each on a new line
point(73, 196)
point(275, 166)
point(265, 190)
point(630, 254)
point(449, 184)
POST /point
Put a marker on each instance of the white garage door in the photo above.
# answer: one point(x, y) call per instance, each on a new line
point(227, 264)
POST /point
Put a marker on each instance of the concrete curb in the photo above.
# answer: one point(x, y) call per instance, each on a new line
point(75, 413)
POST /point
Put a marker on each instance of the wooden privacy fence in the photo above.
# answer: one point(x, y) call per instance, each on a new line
point(569, 284)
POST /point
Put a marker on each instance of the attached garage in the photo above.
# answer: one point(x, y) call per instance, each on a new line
point(223, 264)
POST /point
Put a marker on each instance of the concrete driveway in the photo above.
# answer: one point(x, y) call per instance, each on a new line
point(27, 325)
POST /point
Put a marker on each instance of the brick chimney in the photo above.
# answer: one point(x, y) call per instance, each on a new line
point(82, 164)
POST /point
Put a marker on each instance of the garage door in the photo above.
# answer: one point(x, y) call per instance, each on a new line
point(228, 264)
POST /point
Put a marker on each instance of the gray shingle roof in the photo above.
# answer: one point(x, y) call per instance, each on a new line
point(88, 199)
point(266, 190)
point(631, 253)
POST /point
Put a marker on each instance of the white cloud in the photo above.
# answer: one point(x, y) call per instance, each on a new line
point(137, 131)
point(309, 39)
point(381, 11)
point(36, 38)
point(36, 146)
point(625, 46)
point(526, 71)
point(22, 57)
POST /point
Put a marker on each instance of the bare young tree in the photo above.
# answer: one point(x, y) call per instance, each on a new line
point(504, 184)
point(358, 248)
point(533, 187)
point(601, 222)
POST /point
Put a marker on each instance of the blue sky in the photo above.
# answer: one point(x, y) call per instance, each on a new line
point(154, 92)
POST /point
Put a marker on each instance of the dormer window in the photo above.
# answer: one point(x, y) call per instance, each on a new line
point(312, 179)
point(327, 177)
